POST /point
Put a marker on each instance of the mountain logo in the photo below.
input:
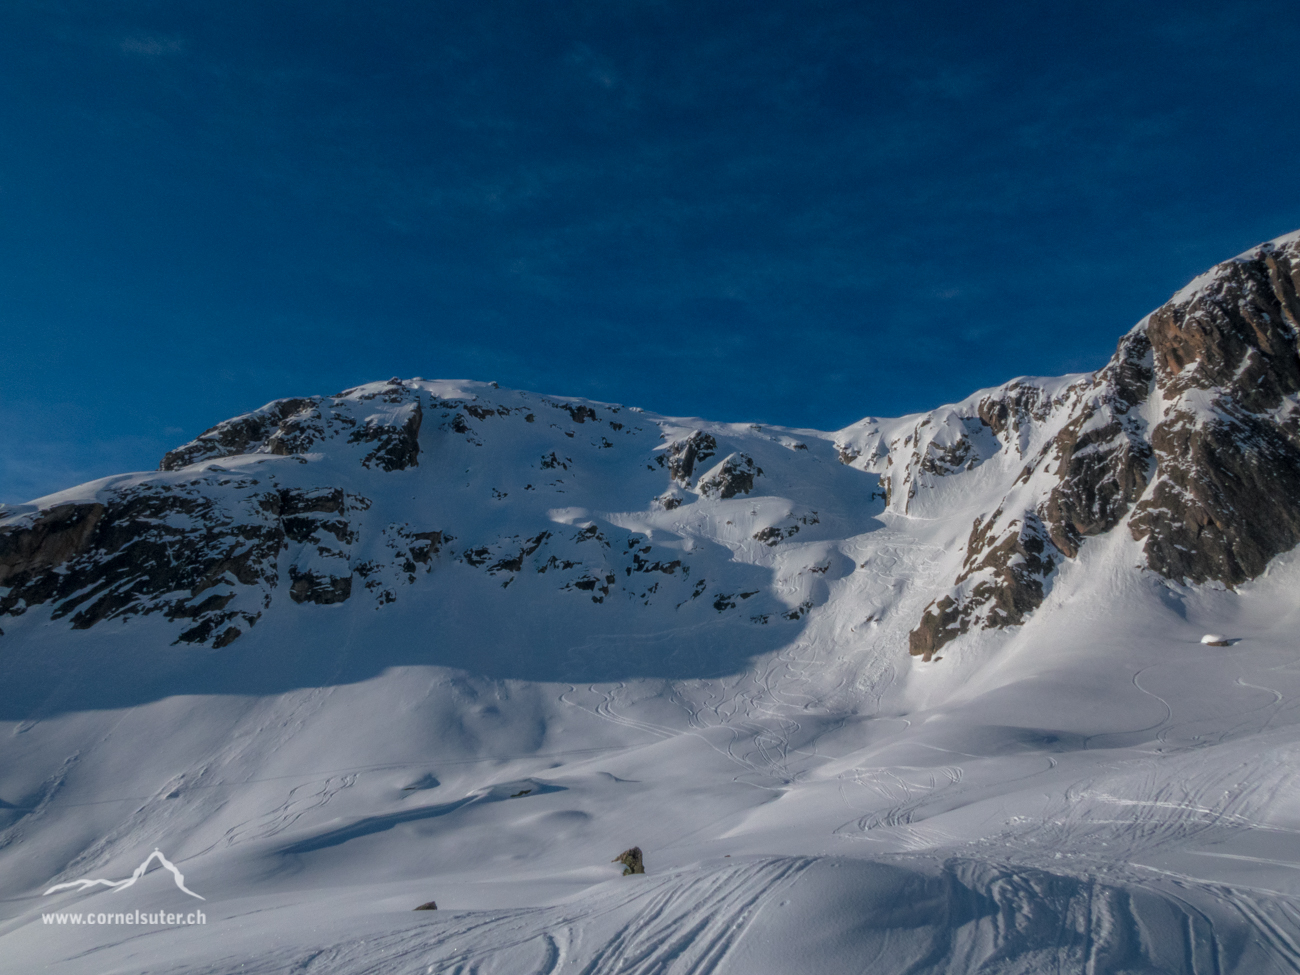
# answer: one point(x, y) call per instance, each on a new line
point(85, 884)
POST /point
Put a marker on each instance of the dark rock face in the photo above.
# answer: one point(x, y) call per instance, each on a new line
point(1095, 468)
point(134, 555)
point(300, 512)
point(1212, 487)
point(962, 454)
point(1014, 411)
point(386, 422)
point(847, 453)
point(318, 521)
point(1227, 494)
point(1006, 573)
point(1102, 459)
point(397, 447)
point(683, 455)
point(1237, 332)
point(309, 586)
point(775, 534)
point(668, 501)
point(205, 553)
point(51, 539)
point(241, 435)
point(735, 476)
point(1227, 502)
point(579, 413)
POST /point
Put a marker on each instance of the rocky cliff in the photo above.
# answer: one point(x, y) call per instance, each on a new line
point(1189, 438)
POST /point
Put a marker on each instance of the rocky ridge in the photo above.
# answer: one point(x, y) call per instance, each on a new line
point(1188, 441)
point(1189, 438)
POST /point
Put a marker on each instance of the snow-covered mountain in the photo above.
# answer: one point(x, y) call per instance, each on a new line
point(933, 683)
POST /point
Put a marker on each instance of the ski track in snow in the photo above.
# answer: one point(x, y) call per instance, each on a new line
point(974, 916)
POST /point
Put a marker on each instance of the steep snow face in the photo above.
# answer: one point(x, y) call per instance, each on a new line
point(440, 639)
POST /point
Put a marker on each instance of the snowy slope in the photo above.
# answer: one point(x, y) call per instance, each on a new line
point(925, 694)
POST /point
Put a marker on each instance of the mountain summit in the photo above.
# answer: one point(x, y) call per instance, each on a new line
point(1008, 686)
point(1188, 440)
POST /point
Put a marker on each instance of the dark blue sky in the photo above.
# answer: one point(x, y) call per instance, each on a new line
point(795, 213)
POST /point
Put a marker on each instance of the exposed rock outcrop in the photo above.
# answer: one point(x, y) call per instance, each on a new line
point(1100, 459)
point(385, 421)
point(1002, 581)
point(396, 444)
point(1226, 498)
point(48, 540)
point(1190, 435)
point(244, 434)
point(681, 456)
point(735, 475)
point(180, 552)
point(322, 588)
point(632, 861)
point(203, 553)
